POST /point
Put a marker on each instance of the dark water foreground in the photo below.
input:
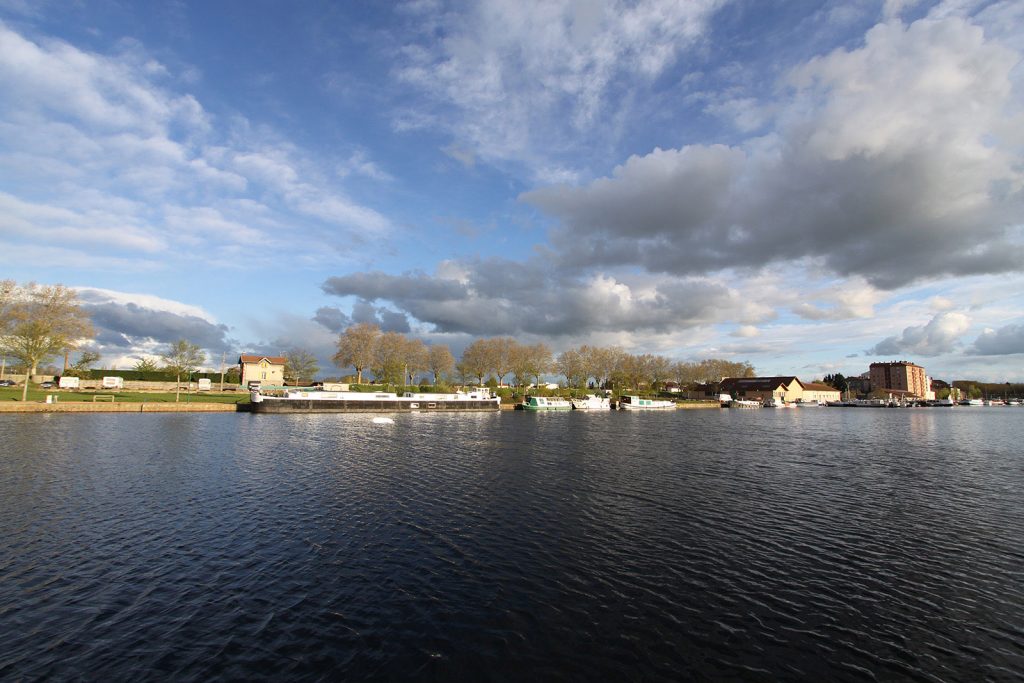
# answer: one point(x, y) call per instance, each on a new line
point(702, 545)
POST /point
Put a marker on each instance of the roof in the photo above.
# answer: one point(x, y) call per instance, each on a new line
point(819, 386)
point(277, 360)
point(759, 383)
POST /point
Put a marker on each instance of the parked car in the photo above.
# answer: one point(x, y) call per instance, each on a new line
point(8, 383)
point(47, 385)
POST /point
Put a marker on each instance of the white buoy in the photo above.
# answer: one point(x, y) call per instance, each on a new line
point(383, 421)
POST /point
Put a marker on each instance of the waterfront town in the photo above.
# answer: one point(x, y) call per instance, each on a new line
point(43, 323)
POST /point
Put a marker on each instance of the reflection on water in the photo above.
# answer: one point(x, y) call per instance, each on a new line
point(810, 544)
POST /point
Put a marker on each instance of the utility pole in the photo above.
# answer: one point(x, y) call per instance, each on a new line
point(223, 354)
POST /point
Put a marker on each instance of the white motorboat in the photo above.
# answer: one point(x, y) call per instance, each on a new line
point(591, 402)
point(637, 403)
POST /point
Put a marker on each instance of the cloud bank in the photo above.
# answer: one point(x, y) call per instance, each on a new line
point(889, 161)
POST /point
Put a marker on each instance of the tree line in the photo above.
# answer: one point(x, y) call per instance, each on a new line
point(395, 358)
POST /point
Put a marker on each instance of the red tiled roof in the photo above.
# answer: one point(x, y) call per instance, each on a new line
point(758, 383)
point(278, 360)
point(819, 386)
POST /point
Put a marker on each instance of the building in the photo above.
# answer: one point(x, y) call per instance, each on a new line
point(788, 389)
point(899, 377)
point(262, 369)
point(820, 393)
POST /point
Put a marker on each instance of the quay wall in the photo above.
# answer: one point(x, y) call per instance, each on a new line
point(126, 407)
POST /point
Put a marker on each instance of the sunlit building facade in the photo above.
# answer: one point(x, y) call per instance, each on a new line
point(900, 377)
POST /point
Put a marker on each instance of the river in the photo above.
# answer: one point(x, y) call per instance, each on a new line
point(811, 544)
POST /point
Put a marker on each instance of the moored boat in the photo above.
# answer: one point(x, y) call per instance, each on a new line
point(546, 403)
point(776, 402)
point(370, 402)
point(591, 402)
point(744, 403)
point(637, 403)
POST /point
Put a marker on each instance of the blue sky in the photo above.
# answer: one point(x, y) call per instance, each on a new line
point(808, 186)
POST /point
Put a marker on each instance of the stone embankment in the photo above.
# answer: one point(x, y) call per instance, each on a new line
point(126, 407)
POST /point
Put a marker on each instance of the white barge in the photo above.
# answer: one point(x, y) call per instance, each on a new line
point(637, 403)
point(371, 402)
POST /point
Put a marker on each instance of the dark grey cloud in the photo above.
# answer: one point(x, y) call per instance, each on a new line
point(1004, 341)
point(127, 325)
point(895, 174)
point(363, 311)
point(940, 335)
point(376, 285)
point(332, 318)
point(495, 297)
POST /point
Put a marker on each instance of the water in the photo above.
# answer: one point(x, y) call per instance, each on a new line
point(820, 544)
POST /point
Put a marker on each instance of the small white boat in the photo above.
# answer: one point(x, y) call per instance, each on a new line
point(383, 421)
point(776, 402)
point(744, 403)
point(637, 403)
point(809, 404)
point(546, 403)
point(591, 402)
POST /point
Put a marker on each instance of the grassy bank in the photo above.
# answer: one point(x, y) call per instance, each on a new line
point(35, 394)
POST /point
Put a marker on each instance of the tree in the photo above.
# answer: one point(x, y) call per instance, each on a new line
point(417, 358)
point(503, 351)
point(837, 381)
point(81, 366)
point(440, 361)
point(476, 360)
point(182, 358)
point(571, 364)
point(145, 364)
point(300, 364)
point(356, 347)
point(530, 362)
point(390, 358)
point(601, 363)
point(656, 369)
point(40, 321)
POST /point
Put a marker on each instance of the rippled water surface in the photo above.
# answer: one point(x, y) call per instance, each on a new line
point(706, 545)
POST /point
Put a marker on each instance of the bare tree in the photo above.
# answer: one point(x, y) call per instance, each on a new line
point(571, 364)
point(602, 363)
point(390, 358)
point(182, 358)
point(440, 361)
point(657, 369)
point(476, 360)
point(503, 351)
point(41, 321)
point(417, 359)
point(530, 362)
point(300, 364)
point(356, 348)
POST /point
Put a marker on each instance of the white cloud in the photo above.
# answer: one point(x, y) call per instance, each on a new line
point(886, 163)
point(101, 152)
point(1003, 341)
point(515, 80)
point(938, 336)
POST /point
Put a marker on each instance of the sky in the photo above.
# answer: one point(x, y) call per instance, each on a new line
point(807, 186)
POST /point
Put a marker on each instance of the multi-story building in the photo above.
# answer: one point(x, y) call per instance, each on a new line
point(899, 377)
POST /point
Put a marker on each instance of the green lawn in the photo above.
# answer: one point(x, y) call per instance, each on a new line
point(36, 394)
